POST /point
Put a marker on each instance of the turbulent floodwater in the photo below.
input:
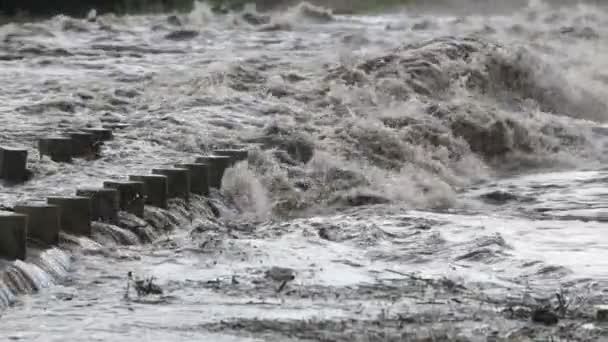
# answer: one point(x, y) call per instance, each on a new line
point(425, 176)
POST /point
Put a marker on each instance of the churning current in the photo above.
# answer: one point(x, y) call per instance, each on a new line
point(412, 176)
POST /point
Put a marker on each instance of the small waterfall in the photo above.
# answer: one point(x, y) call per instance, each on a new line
point(17, 280)
point(55, 263)
point(21, 277)
point(45, 267)
point(80, 242)
point(6, 295)
point(113, 234)
point(35, 275)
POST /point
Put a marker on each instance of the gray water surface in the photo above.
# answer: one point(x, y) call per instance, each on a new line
point(422, 174)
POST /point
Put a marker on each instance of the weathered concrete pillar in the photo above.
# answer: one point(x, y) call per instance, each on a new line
point(59, 149)
point(105, 203)
point(76, 213)
point(237, 155)
point(132, 196)
point(13, 165)
point(601, 313)
point(216, 167)
point(100, 134)
point(199, 177)
point(13, 235)
point(178, 182)
point(43, 221)
point(83, 144)
point(155, 189)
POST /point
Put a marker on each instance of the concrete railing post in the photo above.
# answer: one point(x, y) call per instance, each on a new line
point(59, 149)
point(76, 214)
point(155, 189)
point(178, 182)
point(13, 235)
point(83, 144)
point(132, 196)
point(105, 203)
point(237, 155)
point(217, 165)
point(100, 134)
point(13, 165)
point(43, 221)
point(199, 177)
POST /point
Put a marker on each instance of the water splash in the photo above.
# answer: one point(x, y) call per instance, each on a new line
point(243, 187)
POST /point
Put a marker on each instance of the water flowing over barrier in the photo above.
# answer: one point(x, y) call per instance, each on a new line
point(92, 212)
point(410, 176)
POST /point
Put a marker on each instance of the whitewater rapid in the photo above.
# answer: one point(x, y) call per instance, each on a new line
point(396, 160)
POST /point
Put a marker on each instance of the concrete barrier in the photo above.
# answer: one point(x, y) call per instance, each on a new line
point(132, 196)
point(100, 134)
point(105, 203)
point(217, 165)
point(13, 235)
point(43, 221)
point(76, 214)
point(59, 149)
point(155, 189)
point(83, 144)
point(237, 155)
point(199, 177)
point(601, 313)
point(13, 165)
point(178, 182)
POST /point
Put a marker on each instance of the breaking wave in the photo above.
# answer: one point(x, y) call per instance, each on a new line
point(424, 120)
point(382, 120)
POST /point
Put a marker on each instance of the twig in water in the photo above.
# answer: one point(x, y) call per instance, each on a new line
point(563, 302)
point(129, 276)
point(282, 286)
point(413, 277)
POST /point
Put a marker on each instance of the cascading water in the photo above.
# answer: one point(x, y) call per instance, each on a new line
point(433, 173)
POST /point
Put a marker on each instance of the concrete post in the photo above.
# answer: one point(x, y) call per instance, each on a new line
point(199, 178)
point(105, 203)
point(178, 182)
point(100, 134)
point(43, 221)
point(13, 235)
point(155, 189)
point(59, 149)
point(76, 214)
point(132, 196)
point(237, 155)
point(83, 144)
point(13, 165)
point(216, 167)
point(601, 313)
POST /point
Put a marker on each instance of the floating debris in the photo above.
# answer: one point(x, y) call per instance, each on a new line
point(544, 316)
point(281, 274)
point(143, 287)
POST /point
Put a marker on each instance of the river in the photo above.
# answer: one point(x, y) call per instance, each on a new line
point(420, 175)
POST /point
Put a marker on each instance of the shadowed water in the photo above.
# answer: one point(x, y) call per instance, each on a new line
point(424, 175)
